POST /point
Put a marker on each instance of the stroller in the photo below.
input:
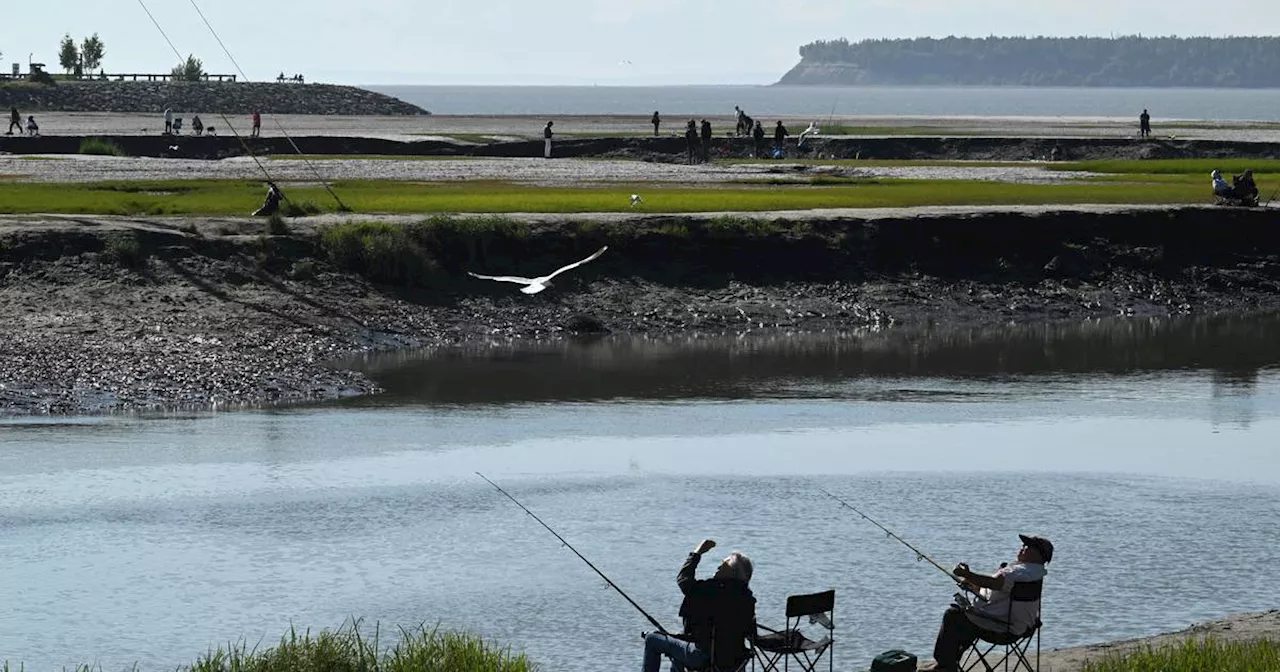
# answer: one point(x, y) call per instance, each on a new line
point(1243, 192)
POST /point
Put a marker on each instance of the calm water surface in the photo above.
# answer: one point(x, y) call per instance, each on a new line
point(1146, 450)
point(822, 101)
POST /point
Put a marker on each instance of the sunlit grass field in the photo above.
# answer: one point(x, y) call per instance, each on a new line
point(242, 197)
point(1196, 656)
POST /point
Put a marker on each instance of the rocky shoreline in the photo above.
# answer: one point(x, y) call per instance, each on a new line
point(209, 98)
point(124, 314)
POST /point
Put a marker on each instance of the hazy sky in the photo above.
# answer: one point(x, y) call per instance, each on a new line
point(567, 41)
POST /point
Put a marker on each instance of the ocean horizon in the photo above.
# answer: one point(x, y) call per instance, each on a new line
point(769, 100)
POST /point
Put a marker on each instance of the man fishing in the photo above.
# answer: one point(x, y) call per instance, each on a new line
point(999, 612)
point(719, 616)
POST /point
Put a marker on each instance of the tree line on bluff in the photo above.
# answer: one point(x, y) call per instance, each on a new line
point(1043, 61)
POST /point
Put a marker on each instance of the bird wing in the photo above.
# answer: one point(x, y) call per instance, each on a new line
point(578, 263)
point(504, 278)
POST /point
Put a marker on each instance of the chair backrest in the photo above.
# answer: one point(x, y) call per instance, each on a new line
point(814, 603)
point(1026, 591)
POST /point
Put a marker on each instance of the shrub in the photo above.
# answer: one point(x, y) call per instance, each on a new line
point(382, 252)
point(1195, 655)
point(126, 250)
point(101, 147)
point(276, 225)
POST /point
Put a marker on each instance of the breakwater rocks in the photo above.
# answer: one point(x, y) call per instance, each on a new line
point(671, 150)
point(116, 314)
point(203, 97)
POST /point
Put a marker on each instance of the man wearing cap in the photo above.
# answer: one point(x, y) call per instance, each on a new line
point(996, 611)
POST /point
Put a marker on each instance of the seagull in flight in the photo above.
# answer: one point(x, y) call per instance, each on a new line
point(535, 285)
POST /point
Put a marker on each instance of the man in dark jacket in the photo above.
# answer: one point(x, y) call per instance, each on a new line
point(757, 134)
point(779, 134)
point(691, 140)
point(719, 616)
point(706, 140)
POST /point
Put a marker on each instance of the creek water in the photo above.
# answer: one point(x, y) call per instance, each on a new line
point(1146, 450)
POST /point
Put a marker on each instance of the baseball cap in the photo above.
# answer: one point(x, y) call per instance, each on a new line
point(1044, 546)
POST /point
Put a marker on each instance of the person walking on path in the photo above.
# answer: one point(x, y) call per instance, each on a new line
point(197, 126)
point(656, 121)
point(257, 123)
point(691, 140)
point(757, 134)
point(15, 121)
point(1144, 124)
point(168, 121)
point(706, 141)
point(546, 140)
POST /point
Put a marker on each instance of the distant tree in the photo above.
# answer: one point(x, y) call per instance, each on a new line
point(68, 55)
point(91, 52)
point(190, 71)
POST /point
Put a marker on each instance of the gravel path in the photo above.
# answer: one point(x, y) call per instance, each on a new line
point(558, 172)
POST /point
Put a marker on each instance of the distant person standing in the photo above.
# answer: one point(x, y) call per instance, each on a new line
point(1144, 124)
point(257, 123)
point(779, 135)
point(742, 127)
point(15, 121)
point(546, 140)
point(656, 121)
point(757, 134)
point(197, 126)
point(168, 121)
point(691, 139)
point(706, 140)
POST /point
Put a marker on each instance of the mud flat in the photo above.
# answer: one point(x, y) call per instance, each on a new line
point(118, 314)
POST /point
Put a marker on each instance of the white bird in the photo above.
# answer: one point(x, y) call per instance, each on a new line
point(173, 148)
point(535, 285)
point(635, 198)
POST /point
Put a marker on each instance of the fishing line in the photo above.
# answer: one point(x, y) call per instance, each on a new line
point(342, 206)
point(919, 554)
point(613, 585)
point(224, 116)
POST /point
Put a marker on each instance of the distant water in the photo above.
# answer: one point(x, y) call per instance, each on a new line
point(769, 101)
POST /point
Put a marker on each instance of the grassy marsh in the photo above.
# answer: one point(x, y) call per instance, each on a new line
point(1196, 656)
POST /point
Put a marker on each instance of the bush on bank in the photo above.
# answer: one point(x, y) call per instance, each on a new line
point(1196, 655)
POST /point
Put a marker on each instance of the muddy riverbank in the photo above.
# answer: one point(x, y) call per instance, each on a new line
point(114, 314)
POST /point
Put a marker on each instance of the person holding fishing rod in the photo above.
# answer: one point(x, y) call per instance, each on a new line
point(998, 612)
point(719, 616)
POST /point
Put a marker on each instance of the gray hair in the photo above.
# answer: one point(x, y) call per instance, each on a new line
point(741, 565)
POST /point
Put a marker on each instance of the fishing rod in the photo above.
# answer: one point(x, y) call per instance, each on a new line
point(613, 585)
point(919, 554)
point(1273, 197)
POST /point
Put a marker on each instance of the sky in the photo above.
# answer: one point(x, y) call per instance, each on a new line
point(570, 42)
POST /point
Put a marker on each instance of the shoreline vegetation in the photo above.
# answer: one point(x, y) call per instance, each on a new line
point(1127, 61)
point(1238, 643)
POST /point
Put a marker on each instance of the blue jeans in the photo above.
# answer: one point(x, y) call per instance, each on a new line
point(682, 654)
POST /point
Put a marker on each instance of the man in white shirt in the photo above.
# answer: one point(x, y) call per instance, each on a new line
point(1008, 603)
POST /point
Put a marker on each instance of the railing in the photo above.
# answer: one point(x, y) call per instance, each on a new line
point(120, 77)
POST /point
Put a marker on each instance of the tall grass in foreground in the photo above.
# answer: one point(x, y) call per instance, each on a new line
point(101, 147)
point(1196, 655)
point(350, 650)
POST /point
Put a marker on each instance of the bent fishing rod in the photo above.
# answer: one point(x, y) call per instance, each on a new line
point(612, 585)
point(919, 554)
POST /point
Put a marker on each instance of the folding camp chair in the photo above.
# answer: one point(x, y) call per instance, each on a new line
point(1008, 646)
point(790, 644)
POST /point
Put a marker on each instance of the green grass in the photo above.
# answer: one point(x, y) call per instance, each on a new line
point(1198, 167)
point(350, 650)
point(242, 197)
point(101, 147)
point(1196, 656)
point(884, 163)
point(411, 254)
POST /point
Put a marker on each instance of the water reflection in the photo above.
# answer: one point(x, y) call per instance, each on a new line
point(782, 365)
